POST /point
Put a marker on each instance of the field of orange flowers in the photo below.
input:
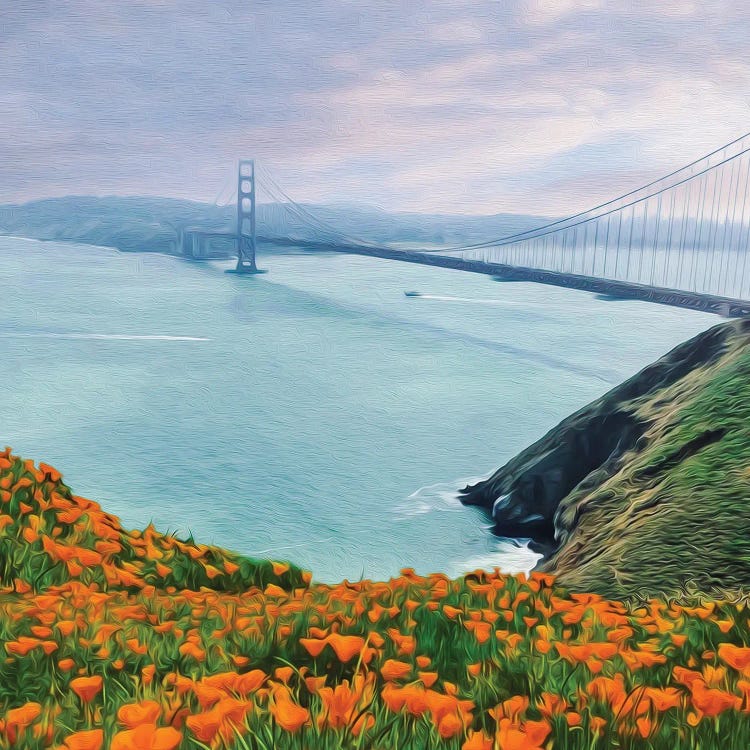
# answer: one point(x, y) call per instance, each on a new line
point(140, 641)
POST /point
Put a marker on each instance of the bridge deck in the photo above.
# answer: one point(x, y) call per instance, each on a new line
point(725, 306)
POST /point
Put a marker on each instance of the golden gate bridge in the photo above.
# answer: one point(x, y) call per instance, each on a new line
point(681, 239)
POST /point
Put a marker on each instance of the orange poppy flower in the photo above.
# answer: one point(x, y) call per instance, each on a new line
point(284, 674)
point(449, 726)
point(147, 737)
point(511, 708)
point(288, 715)
point(686, 677)
point(313, 646)
point(714, 676)
point(551, 705)
point(450, 687)
point(393, 669)
point(711, 701)
point(136, 646)
point(416, 699)
point(393, 697)
point(280, 568)
point(273, 590)
point(346, 647)
point(314, 684)
point(478, 741)
point(440, 705)
point(66, 627)
point(23, 716)
point(340, 703)
point(132, 715)
point(643, 724)
point(22, 646)
point(205, 726)
point(428, 678)
point(230, 567)
point(737, 657)
point(663, 699)
point(90, 739)
point(597, 725)
point(191, 649)
point(642, 658)
point(366, 721)
point(147, 674)
point(86, 688)
point(481, 630)
point(529, 736)
point(542, 646)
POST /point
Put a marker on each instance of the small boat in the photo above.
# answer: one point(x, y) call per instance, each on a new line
point(413, 294)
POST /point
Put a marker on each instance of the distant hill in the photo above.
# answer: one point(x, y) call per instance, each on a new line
point(141, 224)
point(130, 224)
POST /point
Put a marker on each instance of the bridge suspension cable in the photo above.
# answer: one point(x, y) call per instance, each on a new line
point(511, 239)
point(593, 209)
point(228, 182)
point(687, 231)
point(304, 215)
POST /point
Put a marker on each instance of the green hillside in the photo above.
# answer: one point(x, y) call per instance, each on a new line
point(646, 490)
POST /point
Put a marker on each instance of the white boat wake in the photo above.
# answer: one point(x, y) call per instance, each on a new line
point(473, 300)
point(99, 336)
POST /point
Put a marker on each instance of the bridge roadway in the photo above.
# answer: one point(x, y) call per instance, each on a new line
point(725, 306)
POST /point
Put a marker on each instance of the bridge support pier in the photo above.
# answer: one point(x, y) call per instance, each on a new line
point(246, 218)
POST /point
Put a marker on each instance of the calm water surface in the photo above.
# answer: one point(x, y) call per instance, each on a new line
point(314, 413)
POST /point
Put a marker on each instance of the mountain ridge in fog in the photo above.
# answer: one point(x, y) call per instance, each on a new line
point(137, 223)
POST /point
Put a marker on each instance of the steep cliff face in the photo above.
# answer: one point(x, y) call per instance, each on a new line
point(646, 489)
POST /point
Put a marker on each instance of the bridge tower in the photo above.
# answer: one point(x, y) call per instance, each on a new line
point(246, 217)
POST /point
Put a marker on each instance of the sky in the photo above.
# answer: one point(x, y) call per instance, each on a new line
point(449, 106)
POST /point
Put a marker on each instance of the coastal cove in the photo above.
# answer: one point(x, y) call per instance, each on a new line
point(315, 413)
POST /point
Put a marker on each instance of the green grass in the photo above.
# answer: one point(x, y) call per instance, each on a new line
point(673, 516)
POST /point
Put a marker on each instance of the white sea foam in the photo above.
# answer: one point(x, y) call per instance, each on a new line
point(441, 497)
point(510, 556)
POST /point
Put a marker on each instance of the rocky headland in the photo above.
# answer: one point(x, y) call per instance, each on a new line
point(647, 489)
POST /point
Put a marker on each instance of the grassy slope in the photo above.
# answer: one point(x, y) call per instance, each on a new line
point(50, 537)
point(677, 510)
point(134, 640)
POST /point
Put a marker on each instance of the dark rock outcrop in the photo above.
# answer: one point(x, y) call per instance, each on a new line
point(587, 448)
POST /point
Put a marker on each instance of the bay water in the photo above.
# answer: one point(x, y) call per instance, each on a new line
point(314, 413)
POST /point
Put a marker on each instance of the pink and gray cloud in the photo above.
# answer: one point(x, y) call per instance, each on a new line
point(455, 106)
